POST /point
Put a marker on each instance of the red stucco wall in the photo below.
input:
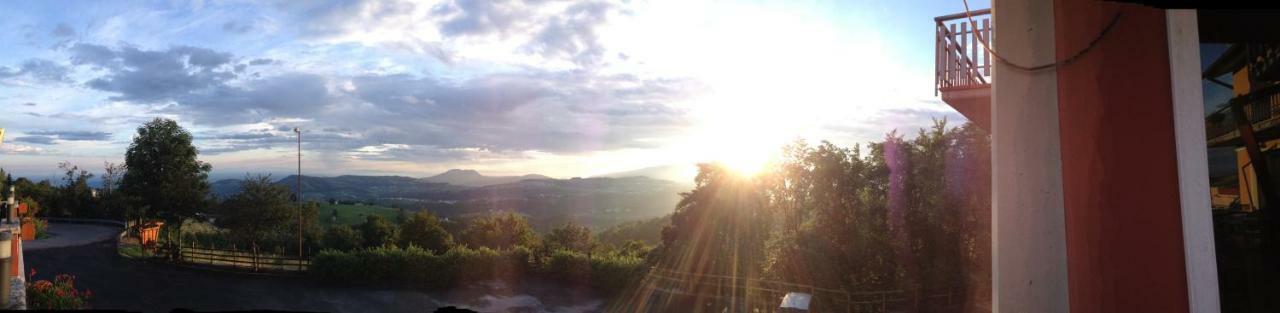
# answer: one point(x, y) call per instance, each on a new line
point(1119, 166)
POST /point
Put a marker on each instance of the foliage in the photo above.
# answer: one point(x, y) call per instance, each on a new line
point(417, 267)
point(165, 179)
point(74, 197)
point(908, 214)
point(424, 230)
point(341, 238)
point(499, 231)
point(571, 237)
point(377, 232)
point(353, 214)
point(41, 227)
point(260, 208)
point(61, 294)
point(110, 199)
point(33, 207)
point(649, 231)
point(35, 194)
point(720, 227)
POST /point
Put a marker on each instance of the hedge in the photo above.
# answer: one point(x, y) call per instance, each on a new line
point(416, 267)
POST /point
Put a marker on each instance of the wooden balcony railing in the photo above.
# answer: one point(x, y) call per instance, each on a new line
point(962, 61)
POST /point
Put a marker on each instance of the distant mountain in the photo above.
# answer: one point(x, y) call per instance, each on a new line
point(597, 202)
point(354, 188)
point(678, 173)
point(472, 178)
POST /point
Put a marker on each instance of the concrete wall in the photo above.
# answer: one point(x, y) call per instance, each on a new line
point(1028, 232)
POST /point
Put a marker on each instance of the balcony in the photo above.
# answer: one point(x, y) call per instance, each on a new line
point(962, 68)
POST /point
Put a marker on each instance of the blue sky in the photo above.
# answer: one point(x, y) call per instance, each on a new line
point(561, 88)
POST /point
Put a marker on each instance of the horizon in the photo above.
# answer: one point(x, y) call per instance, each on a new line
point(384, 88)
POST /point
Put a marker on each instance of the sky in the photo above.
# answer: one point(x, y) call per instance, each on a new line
point(413, 88)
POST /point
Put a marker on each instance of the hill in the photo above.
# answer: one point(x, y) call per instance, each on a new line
point(472, 178)
point(678, 173)
point(598, 202)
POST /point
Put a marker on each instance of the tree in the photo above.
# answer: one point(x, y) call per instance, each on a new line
point(259, 210)
point(424, 230)
point(499, 231)
point(112, 202)
point(75, 197)
point(376, 231)
point(572, 237)
point(401, 216)
point(341, 238)
point(164, 177)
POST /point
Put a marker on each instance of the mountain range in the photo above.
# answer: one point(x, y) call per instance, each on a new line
point(547, 202)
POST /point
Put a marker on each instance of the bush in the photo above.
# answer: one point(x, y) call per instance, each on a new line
point(424, 230)
point(61, 294)
point(341, 238)
point(606, 273)
point(377, 232)
point(418, 267)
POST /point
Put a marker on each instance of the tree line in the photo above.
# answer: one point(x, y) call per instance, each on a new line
point(903, 214)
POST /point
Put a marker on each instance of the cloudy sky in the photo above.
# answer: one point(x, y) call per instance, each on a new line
point(561, 88)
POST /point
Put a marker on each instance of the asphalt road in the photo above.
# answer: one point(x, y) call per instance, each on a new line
point(119, 283)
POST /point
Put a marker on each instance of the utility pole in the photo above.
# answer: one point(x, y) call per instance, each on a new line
point(299, 191)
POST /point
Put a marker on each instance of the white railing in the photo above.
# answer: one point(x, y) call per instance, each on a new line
point(962, 59)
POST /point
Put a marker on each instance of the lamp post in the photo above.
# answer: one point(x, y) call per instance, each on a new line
point(299, 133)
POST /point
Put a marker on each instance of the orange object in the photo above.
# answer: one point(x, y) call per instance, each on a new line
point(16, 246)
point(22, 209)
point(28, 228)
point(149, 232)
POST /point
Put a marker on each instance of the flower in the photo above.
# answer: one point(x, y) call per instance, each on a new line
point(33, 272)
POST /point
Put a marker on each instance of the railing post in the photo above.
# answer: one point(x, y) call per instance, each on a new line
point(6, 258)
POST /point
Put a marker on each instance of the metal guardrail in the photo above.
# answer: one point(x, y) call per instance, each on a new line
point(961, 60)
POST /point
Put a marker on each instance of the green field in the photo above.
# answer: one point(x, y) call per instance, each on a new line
point(351, 214)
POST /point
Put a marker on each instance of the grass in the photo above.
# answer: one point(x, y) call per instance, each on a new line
point(130, 250)
point(350, 214)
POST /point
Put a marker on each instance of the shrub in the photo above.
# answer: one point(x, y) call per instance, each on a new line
point(424, 230)
point(377, 232)
point(61, 294)
point(417, 267)
point(41, 227)
point(341, 238)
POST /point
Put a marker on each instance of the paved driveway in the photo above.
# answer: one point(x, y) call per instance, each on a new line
point(67, 235)
point(119, 283)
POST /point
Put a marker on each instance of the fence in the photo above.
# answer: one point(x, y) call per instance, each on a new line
point(758, 295)
point(1259, 106)
point(192, 253)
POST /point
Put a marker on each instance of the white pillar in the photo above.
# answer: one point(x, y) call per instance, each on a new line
point(1193, 161)
point(1028, 232)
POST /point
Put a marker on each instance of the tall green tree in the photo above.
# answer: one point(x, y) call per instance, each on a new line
point(424, 230)
point(572, 237)
point(165, 179)
point(499, 231)
point(111, 201)
point(376, 231)
point(75, 197)
point(259, 210)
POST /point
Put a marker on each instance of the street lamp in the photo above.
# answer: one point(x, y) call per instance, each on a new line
point(299, 191)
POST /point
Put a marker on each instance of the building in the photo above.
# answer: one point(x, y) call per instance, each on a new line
point(1101, 191)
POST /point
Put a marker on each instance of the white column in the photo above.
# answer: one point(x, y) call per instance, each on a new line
point(1193, 163)
point(1029, 253)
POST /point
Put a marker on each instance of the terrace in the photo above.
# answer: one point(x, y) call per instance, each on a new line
point(962, 68)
